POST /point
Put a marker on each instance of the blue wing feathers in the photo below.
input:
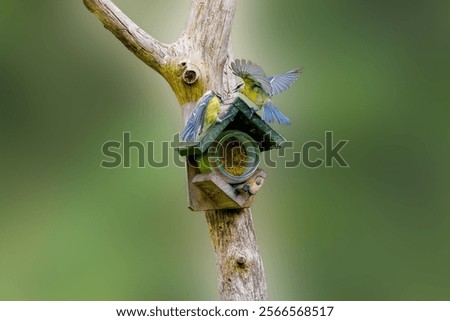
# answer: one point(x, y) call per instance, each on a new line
point(282, 82)
point(195, 122)
point(272, 114)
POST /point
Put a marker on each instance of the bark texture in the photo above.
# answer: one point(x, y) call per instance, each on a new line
point(196, 62)
point(239, 265)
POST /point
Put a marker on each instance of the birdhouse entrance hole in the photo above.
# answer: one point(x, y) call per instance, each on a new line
point(234, 154)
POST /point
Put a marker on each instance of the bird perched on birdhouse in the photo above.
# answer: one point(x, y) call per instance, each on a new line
point(259, 88)
point(205, 114)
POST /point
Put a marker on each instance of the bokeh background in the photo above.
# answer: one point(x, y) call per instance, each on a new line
point(375, 73)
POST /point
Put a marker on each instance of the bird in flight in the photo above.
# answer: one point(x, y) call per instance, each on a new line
point(259, 88)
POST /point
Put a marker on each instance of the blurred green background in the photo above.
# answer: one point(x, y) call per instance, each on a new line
point(375, 73)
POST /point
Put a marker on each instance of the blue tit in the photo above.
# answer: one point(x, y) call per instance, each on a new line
point(205, 114)
point(259, 88)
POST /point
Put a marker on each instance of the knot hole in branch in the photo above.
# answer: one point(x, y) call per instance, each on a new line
point(242, 262)
point(190, 73)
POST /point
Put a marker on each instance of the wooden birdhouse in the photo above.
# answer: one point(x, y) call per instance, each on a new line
point(223, 166)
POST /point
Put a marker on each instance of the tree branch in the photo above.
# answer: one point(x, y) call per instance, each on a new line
point(151, 51)
point(206, 43)
point(239, 266)
point(209, 27)
point(193, 64)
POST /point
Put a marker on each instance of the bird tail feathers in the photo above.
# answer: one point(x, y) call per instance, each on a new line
point(272, 113)
point(190, 132)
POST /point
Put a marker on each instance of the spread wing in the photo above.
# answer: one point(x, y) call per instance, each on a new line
point(195, 122)
point(251, 74)
point(272, 113)
point(280, 83)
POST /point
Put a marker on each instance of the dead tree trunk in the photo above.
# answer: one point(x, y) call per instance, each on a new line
point(196, 62)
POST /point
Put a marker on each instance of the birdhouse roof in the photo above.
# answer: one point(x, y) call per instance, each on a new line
point(239, 117)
